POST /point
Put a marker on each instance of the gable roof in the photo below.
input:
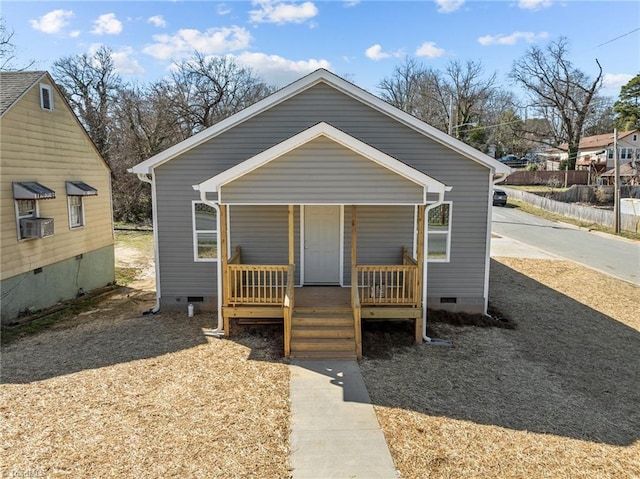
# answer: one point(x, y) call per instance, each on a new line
point(15, 84)
point(320, 76)
point(323, 129)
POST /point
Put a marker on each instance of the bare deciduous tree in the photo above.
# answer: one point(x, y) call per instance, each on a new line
point(559, 92)
point(204, 90)
point(89, 82)
point(8, 50)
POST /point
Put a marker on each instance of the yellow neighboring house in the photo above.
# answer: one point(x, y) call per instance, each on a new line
point(56, 227)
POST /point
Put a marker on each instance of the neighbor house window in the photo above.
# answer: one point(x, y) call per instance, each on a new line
point(205, 232)
point(25, 209)
point(439, 233)
point(76, 211)
point(46, 97)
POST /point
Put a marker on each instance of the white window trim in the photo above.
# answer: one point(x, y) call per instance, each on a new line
point(195, 234)
point(82, 217)
point(50, 90)
point(36, 214)
point(447, 257)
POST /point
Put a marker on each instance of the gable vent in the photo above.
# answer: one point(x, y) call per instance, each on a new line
point(46, 101)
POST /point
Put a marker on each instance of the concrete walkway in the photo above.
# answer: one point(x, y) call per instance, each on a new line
point(334, 431)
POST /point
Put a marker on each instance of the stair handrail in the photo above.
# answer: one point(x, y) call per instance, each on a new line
point(288, 304)
point(357, 317)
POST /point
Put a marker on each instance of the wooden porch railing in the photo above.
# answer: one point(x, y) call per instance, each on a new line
point(256, 284)
point(388, 284)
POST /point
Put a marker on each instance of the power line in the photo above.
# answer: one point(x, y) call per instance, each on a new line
point(618, 38)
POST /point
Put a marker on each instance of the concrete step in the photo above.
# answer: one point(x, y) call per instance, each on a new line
point(323, 355)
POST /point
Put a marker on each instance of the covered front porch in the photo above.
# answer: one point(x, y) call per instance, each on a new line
point(325, 183)
point(323, 321)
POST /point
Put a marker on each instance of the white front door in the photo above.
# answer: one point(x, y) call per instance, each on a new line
point(322, 245)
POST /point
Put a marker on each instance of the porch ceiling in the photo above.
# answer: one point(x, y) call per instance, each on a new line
point(322, 165)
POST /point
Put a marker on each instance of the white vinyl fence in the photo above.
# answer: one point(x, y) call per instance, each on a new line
point(628, 222)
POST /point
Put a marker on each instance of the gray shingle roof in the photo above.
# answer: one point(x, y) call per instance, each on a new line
point(14, 84)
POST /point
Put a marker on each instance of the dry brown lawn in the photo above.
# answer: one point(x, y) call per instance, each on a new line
point(114, 394)
point(559, 396)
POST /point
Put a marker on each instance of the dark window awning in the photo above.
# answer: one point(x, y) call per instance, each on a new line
point(80, 188)
point(30, 190)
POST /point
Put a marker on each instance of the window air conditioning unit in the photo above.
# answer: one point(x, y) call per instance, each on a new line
point(36, 227)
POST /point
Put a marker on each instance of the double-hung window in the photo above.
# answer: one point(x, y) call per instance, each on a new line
point(205, 232)
point(439, 233)
point(76, 211)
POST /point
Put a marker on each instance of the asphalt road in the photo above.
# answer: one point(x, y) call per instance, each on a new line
point(615, 256)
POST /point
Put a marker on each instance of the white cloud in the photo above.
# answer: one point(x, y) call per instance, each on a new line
point(448, 6)
point(429, 50)
point(350, 3)
point(223, 9)
point(157, 21)
point(125, 64)
point(107, 23)
point(277, 70)
point(512, 39)
point(375, 52)
point(74, 34)
point(185, 41)
point(534, 4)
point(615, 80)
point(52, 22)
point(281, 12)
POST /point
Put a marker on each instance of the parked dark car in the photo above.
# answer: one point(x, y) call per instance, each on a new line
point(513, 161)
point(499, 198)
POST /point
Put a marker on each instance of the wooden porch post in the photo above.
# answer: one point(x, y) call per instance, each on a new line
point(357, 319)
point(291, 228)
point(223, 258)
point(420, 259)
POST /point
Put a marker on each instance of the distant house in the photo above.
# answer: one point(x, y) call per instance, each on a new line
point(629, 174)
point(322, 205)
point(595, 153)
point(56, 226)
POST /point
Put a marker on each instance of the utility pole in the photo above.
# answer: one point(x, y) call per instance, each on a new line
point(616, 179)
point(450, 115)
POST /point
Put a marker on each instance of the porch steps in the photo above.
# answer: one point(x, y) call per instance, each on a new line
point(322, 334)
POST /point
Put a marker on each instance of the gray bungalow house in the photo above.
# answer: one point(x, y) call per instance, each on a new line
point(322, 205)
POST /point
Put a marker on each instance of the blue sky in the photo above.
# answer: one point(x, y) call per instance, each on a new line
point(360, 40)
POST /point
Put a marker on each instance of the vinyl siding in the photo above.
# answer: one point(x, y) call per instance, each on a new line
point(50, 147)
point(463, 276)
point(322, 171)
point(382, 232)
point(262, 232)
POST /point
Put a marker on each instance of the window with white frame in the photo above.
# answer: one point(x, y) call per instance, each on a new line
point(439, 233)
point(205, 232)
point(46, 97)
point(25, 209)
point(76, 211)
